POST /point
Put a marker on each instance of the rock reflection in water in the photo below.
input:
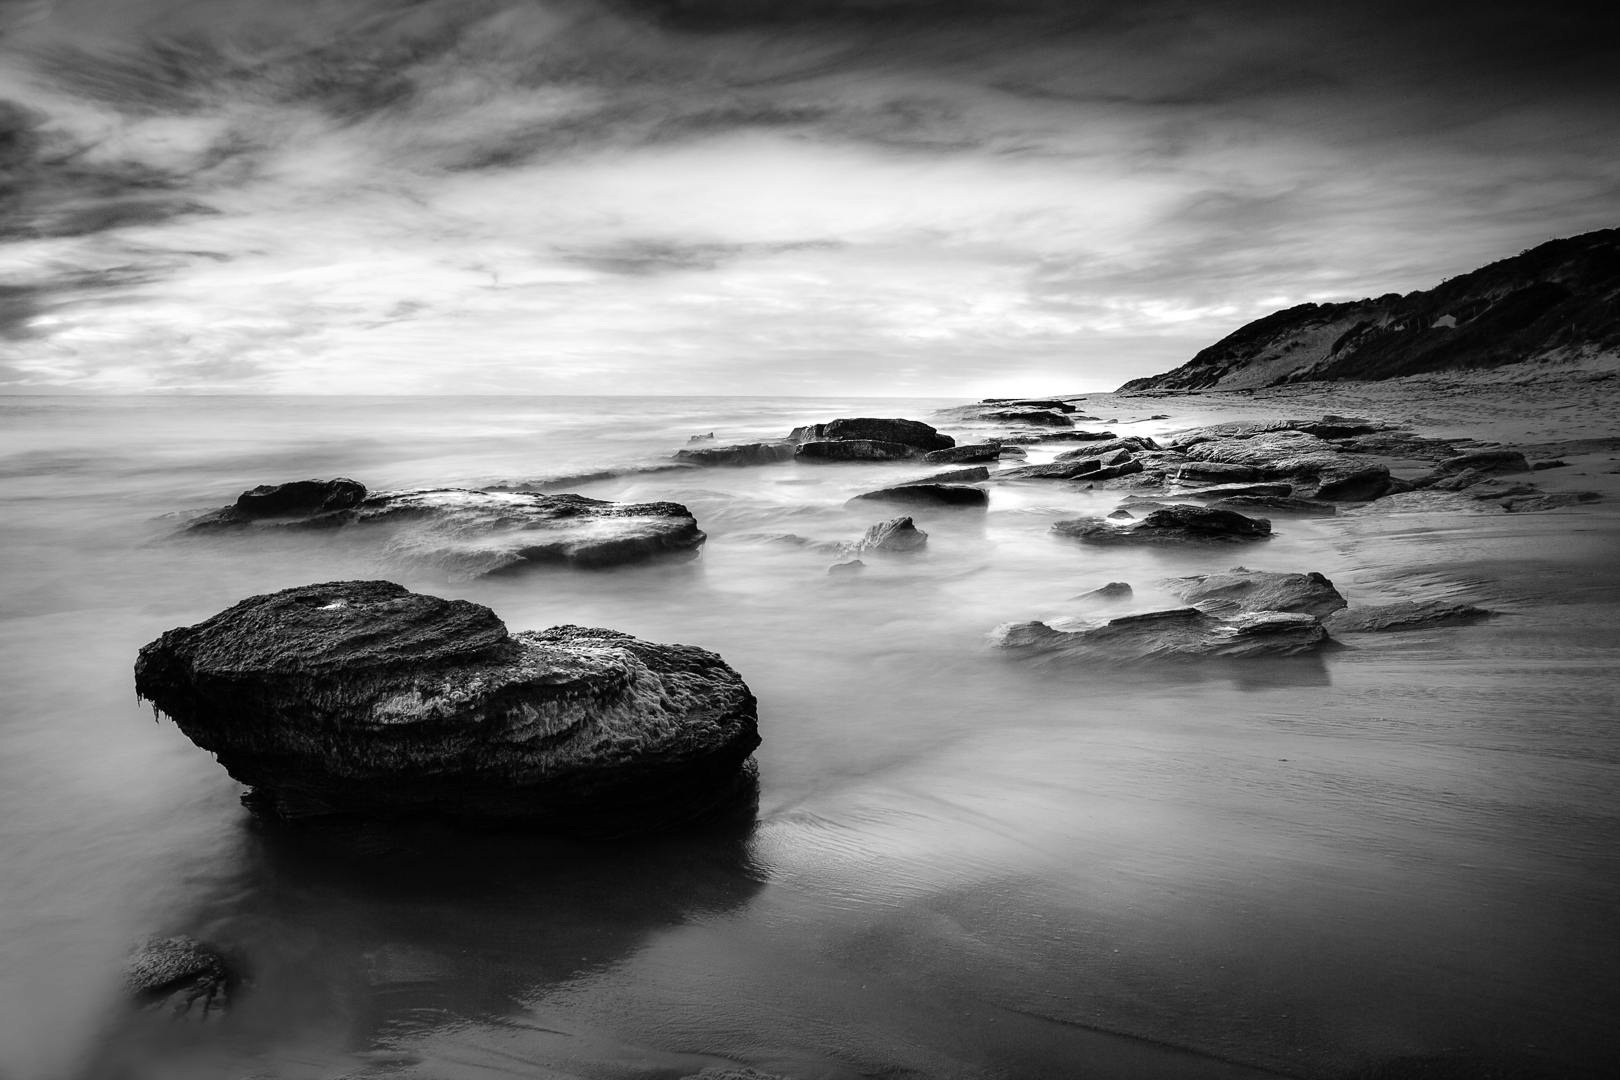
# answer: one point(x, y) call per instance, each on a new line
point(356, 944)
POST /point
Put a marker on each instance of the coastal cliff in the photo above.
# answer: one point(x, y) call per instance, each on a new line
point(1559, 301)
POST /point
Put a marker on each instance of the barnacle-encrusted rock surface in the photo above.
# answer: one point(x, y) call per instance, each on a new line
point(360, 697)
point(474, 532)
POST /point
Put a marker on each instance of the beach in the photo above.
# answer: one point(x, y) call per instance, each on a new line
point(1391, 858)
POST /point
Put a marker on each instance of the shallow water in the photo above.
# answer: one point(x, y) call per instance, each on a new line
point(964, 866)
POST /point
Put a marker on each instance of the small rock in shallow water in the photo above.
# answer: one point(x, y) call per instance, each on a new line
point(850, 567)
point(896, 536)
point(1122, 515)
point(1539, 466)
point(1242, 589)
point(363, 698)
point(179, 973)
point(1176, 523)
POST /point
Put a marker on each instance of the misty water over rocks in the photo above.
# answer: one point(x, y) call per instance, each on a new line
point(1391, 858)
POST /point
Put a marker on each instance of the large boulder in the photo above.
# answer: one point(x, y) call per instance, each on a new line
point(1242, 589)
point(767, 453)
point(913, 433)
point(1402, 615)
point(1179, 634)
point(362, 698)
point(1171, 524)
point(928, 495)
point(825, 450)
point(477, 532)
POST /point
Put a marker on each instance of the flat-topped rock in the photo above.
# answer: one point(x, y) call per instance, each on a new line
point(765, 453)
point(975, 475)
point(1242, 589)
point(477, 532)
point(1485, 462)
point(1171, 524)
point(363, 698)
point(922, 494)
point(964, 455)
point(1231, 491)
point(1302, 458)
point(1275, 505)
point(1178, 634)
point(913, 433)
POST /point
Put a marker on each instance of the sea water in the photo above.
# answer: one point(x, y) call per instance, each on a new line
point(963, 865)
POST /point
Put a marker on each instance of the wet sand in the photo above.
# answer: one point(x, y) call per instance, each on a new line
point(1398, 858)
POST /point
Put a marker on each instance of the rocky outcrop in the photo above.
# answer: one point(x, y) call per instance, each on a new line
point(1088, 469)
point(362, 698)
point(1103, 448)
point(1556, 301)
point(1402, 615)
point(921, 494)
point(819, 451)
point(1030, 417)
point(1114, 590)
point(1315, 467)
point(178, 975)
point(477, 532)
point(767, 453)
point(1172, 524)
point(298, 499)
point(1242, 589)
point(1180, 634)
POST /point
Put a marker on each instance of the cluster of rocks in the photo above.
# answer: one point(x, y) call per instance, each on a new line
point(1240, 613)
point(471, 532)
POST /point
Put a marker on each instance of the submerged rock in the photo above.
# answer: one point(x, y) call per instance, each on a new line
point(477, 532)
point(896, 536)
point(362, 698)
point(1114, 590)
point(767, 453)
point(928, 495)
point(851, 567)
point(1550, 501)
point(1242, 589)
point(1180, 634)
point(1402, 615)
point(963, 455)
point(1485, 462)
point(179, 974)
point(1171, 524)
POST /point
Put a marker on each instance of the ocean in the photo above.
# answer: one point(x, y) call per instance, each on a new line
point(1398, 853)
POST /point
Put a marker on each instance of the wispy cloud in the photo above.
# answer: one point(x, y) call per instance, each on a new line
point(713, 195)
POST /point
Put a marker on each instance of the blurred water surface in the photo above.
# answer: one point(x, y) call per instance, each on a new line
point(964, 867)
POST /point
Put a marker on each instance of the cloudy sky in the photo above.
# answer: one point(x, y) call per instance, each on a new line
point(756, 196)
